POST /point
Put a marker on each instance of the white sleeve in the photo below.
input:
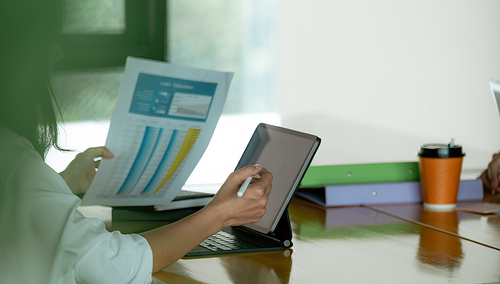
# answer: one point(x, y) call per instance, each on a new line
point(116, 258)
point(46, 235)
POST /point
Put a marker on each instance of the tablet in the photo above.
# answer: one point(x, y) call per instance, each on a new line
point(286, 154)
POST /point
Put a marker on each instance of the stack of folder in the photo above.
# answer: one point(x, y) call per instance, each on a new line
point(382, 183)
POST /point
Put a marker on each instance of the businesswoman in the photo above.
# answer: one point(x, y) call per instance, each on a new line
point(44, 238)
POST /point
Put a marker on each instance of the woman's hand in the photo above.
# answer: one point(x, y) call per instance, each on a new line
point(173, 241)
point(248, 208)
point(491, 176)
point(81, 171)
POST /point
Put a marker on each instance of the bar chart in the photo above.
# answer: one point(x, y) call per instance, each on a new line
point(158, 154)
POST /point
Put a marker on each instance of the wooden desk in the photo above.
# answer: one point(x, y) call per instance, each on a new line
point(349, 245)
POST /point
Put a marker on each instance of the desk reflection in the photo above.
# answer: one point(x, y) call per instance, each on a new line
point(437, 248)
point(303, 212)
point(266, 267)
point(484, 229)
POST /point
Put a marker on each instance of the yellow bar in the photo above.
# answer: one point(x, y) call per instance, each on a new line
point(191, 137)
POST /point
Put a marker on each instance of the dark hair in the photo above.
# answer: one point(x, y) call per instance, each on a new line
point(28, 31)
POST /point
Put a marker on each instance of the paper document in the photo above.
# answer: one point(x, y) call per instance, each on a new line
point(162, 123)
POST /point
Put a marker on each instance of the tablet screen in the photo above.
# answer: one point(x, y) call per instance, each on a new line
point(286, 154)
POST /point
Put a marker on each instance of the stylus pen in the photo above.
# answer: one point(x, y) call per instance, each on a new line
point(244, 186)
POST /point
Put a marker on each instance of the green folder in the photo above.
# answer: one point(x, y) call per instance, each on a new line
point(318, 176)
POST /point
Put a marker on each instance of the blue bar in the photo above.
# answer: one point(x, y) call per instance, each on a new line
point(141, 160)
point(157, 175)
point(158, 138)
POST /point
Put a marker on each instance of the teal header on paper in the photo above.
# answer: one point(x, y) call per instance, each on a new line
point(172, 98)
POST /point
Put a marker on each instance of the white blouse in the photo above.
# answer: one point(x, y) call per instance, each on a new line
point(45, 239)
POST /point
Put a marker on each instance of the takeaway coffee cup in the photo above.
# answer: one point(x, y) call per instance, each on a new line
point(440, 168)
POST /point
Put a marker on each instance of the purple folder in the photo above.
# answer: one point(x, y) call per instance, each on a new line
point(382, 193)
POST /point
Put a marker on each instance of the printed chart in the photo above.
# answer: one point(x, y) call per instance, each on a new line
point(147, 167)
point(163, 120)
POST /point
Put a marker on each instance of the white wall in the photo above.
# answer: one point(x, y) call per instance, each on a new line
point(376, 79)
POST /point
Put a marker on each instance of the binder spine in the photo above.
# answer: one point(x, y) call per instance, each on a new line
point(318, 176)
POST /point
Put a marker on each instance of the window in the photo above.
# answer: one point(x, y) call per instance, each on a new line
point(97, 37)
point(225, 35)
point(228, 35)
point(101, 34)
point(94, 16)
